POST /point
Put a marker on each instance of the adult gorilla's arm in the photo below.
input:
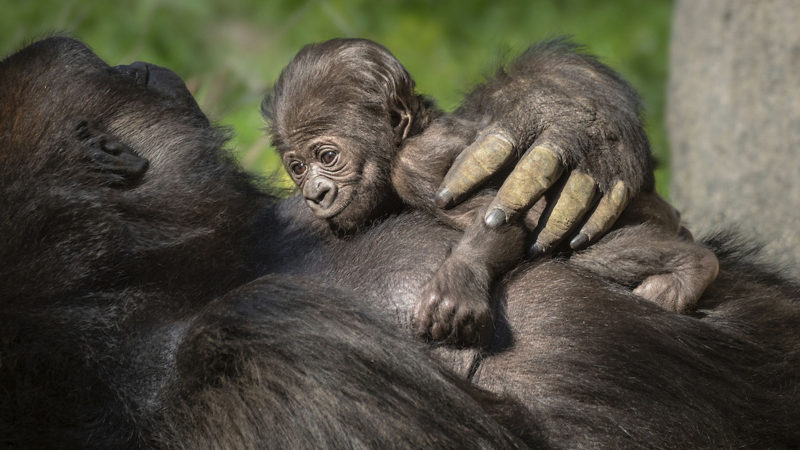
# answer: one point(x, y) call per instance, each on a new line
point(583, 118)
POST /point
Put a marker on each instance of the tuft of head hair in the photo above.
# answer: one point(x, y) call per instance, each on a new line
point(327, 80)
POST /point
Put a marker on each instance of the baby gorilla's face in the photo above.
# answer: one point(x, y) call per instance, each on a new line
point(343, 180)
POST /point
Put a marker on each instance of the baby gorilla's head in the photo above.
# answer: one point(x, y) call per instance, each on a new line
point(338, 114)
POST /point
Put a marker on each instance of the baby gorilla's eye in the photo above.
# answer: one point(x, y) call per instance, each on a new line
point(327, 157)
point(298, 168)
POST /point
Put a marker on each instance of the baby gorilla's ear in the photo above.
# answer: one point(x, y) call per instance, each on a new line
point(401, 118)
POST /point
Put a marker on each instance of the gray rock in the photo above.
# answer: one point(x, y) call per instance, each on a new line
point(733, 118)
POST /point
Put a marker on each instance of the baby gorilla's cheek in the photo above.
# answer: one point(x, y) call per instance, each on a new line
point(371, 197)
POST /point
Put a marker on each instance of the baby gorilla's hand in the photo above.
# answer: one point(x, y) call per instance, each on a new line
point(454, 307)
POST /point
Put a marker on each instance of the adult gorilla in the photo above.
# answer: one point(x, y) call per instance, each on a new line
point(123, 326)
point(118, 327)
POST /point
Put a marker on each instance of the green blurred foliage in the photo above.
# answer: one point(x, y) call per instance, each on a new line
point(230, 52)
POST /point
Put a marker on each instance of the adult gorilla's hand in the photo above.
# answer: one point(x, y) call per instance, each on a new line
point(582, 120)
point(538, 170)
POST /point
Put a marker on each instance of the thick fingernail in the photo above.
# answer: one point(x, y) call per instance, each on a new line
point(579, 241)
point(444, 199)
point(495, 218)
point(535, 250)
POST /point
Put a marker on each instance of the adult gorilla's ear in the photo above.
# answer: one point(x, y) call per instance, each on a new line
point(109, 156)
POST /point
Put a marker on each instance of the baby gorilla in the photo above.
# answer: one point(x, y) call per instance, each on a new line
point(357, 140)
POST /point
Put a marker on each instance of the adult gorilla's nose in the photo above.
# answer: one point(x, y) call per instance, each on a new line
point(320, 193)
point(137, 71)
point(161, 80)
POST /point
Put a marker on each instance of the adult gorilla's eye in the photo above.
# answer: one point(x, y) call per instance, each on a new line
point(327, 157)
point(298, 168)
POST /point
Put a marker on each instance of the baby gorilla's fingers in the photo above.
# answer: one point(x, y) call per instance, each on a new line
point(538, 169)
point(477, 163)
point(571, 205)
point(454, 306)
point(608, 210)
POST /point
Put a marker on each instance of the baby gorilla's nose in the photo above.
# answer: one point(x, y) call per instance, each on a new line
point(320, 193)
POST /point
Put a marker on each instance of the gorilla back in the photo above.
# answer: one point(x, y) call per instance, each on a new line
point(596, 366)
point(122, 239)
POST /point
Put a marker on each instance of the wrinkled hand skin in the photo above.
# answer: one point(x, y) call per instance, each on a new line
point(576, 115)
point(538, 171)
point(454, 307)
point(487, 155)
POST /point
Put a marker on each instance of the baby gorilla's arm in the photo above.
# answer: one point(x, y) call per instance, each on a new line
point(455, 306)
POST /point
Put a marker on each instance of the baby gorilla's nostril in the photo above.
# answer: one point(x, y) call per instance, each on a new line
point(321, 191)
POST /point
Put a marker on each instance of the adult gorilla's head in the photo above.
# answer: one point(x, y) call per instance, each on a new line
point(119, 214)
point(117, 169)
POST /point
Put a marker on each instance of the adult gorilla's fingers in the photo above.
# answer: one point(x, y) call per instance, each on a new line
point(538, 169)
point(608, 210)
point(573, 202)
point(482, 159)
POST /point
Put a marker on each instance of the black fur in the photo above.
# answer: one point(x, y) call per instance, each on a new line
point(122, 326)
point(352, 102)
point(596, 365)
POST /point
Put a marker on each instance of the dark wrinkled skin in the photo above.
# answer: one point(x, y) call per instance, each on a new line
point(134, 316)
point(358, 140)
